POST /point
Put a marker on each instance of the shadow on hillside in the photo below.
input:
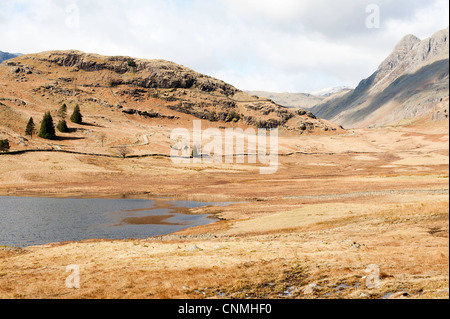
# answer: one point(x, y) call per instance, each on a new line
point(408, 85)
point(68, 138)
point(91, 124)
point(333, 107)
point(76, 129)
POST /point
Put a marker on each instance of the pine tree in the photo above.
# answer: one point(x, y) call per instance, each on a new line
point(62, 126)
point(62, 113)
point(30, 130)
point(76, 117)
point(47, 130)
point(131, 63)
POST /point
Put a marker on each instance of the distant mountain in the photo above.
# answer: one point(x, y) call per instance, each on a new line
point(331, 91)
point(292, 100)
point(6, 56)
point(407, 85)
point(302, 100)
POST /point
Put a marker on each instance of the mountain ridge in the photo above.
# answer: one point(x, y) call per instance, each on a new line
point(291, 100)
point(407, 84)
point(301, 100)
point(328, 92)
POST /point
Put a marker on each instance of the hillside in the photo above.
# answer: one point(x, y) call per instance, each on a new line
point(122, 99)
point(407, 85)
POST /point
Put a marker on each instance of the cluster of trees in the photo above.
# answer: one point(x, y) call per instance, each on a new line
point(47, 129)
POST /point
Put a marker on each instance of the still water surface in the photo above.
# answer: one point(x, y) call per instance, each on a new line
point(28, 221)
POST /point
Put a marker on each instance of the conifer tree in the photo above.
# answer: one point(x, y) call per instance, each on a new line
point(62, 126)
point(30, 129)
point(76, 117)
point(47, 130)
point(62, 113)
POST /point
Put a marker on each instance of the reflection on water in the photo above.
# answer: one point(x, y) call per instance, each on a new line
point(27, 221)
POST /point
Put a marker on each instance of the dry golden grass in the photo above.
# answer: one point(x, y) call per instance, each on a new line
point(409, 243)
point(321, 224)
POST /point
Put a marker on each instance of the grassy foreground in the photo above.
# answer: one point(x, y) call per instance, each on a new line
point(312, 230)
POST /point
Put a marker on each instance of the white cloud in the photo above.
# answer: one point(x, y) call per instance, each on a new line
point(424, 22)
point(280, 45)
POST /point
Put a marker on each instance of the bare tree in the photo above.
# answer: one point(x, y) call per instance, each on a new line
point(123, 151)
point(102, 139)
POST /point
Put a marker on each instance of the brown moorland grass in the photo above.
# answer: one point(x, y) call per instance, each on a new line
point(322, 219)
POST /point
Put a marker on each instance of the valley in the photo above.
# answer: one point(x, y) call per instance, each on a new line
point(342, 202)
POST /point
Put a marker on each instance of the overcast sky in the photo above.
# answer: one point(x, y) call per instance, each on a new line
point(272, 45)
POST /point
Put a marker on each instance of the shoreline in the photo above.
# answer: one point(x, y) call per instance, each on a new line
point(116, 195)
point(151, 220)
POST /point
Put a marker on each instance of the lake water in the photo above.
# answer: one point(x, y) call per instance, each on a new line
point(29, 221)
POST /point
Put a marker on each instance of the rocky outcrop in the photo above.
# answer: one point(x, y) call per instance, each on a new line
point(441, 113)
point(148, 114)
point(156, 74)
point(55, 89)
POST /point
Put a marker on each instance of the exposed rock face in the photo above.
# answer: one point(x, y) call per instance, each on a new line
point(441, 115)
point(149, 114)
point(398, 56)
point(441, 112)
point(156, 74)
point(407, 84)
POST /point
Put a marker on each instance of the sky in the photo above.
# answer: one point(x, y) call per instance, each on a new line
point(270, 45)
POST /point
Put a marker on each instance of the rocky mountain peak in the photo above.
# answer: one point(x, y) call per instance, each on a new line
point(411, 53)
point(398, 55)
point(407, 85)
point(407, 43)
